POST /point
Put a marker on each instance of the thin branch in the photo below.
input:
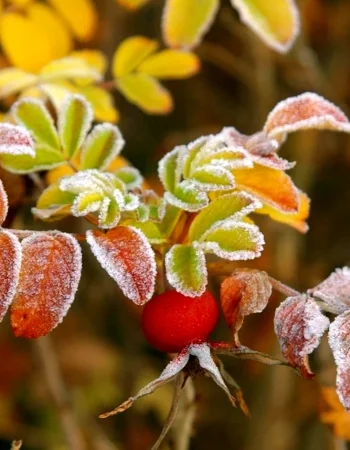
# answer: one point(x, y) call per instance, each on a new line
point(59, 394)
point(185, 417)
point(283, 288)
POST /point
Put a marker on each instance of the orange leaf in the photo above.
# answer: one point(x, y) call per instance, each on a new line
point(128, 258)
point(49, 278)
point(271, 186)
point(245, 292)
point(10, 261)
point(3, 204)
point(333, 413)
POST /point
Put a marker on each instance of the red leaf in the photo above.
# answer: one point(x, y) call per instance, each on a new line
point(245, 292)
point(339, 340)
point(49, 278)
point(15, 140)
point(303, 112)
point(128, 258)
point(3, 204)
point(299, 326)
point(10, 263)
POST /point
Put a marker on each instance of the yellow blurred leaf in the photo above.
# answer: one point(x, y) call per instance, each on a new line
point(33, 92)
point(93, 58)
point(44, 16)
point(57, 91)
point(102, 103)
point(132, 4)
point(334, 414)
point(14, 80)
point(295, 220)
point(80, 15)
point(271, 186)
point(25, 44)
point(275, 22)
point(145, 92)
point(186, 21)
point(131, 53)
point(71, 68)
point(55, 174)
point(20, 3)
point(171, 64)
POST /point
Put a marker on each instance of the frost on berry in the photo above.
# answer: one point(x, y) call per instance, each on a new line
point(15, 140)
point(245, 292)
point(299, 326)
point(305, 111)
point(128, 258)
point(334, 292)
point(48, 281)
point(4, 205)
point(339, 340)
point(10, 263)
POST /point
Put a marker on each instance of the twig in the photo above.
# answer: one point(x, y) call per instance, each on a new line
point(59, 393)
point(185, 417)
point(283, 288)
point(16, 445)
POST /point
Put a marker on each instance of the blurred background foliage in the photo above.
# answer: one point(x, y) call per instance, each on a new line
point(101, 351)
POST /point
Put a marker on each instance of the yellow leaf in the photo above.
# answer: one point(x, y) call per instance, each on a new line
point(271, 186)
point(295, 220)
point(55, 174)
point(69, 67)
point(186, 21)
point(80, 15)
point(14, 80)
point(102, 103)
point(25, 44)
point(32, 92)
point(57, 91)
point(131, 53)
point(334, 414)
point(145, 92)
point(53, 26)
point(275, 22)
point(93, 58)
point(20, 3)
point(132, 4)
point(171, 64)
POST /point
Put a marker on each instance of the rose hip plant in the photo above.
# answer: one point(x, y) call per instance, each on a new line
point(163, 249)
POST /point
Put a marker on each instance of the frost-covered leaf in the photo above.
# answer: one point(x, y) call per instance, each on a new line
point(102, 145)
point(334, 292)
point(275, 22)
point(187, 196)
point(130, 176)
point(271, 186)
point(86, 202)
point(13, 80)
point(171, 370)
point(233, 240)
point(128, 258)
point(186, 269)
point(245, 292)
point(131, 53)
point(233, 206)
point(213, 177)
point(296, 220)
point(69, 68)
point(299, 326)
point(339, 340)
point(146, 93)
point(15, 140)
point(74, 121)
point(305, 111)
point(109, 215)
point(10, 264)
point(169, 64)
point(48, 281)
point(4, 204)
point(32, 114)
point(53, 203)
point(44, 159)
point(170, 167)
point(185, 22)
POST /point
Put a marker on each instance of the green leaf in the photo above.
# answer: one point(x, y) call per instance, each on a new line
point(86, 202)
point(130, 176)
point(186, 269)
point(234, 241)
point(193, 149)
point(74, 120)
point(53, 204)
point(230, 206)
point(44, 159)
point(170, 220)
point(33, 115)
point(212, 177)
point(109, 213)
point(170, 167)
point(151, 231)
point(187, 196)
point(102, 145)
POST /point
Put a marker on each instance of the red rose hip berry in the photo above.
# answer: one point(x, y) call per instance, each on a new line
point(171, 321)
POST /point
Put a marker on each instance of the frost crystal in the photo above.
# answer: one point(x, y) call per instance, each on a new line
point(334, 291)
point(4, 205)
point(15, 140)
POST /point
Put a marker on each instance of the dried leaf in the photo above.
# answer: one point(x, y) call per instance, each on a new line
point(339, 341)
point(299, 326)
point(334, 292)
point(10, 264)
point(49, 278)
point(303, 112)
point(4, 204)
point(128, 258)
point(245, 292)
